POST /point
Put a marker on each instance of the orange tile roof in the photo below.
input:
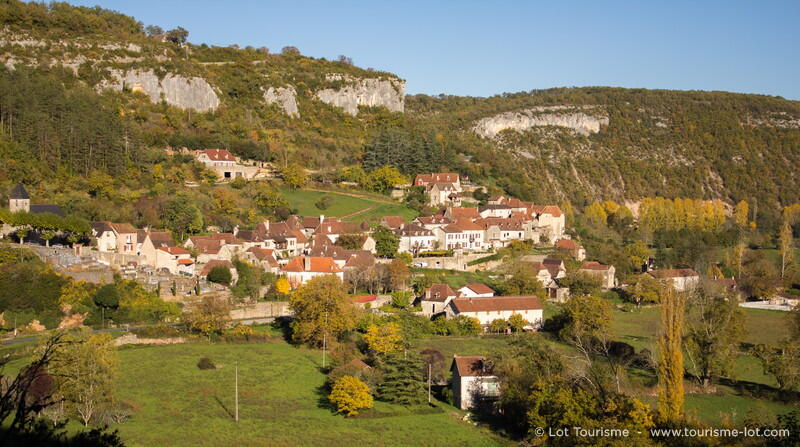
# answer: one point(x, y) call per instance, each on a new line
point(175, 250)
point(568, 244)
point(364, 298)
point(318, 265)
point(594, 265)
point(437, 177)
point(185, 261)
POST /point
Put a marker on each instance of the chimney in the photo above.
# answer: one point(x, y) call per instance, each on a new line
point(266, 225)
point(235, 230)
point(321, 218)
point(307, 263)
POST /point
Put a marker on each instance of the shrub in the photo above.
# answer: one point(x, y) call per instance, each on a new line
point(220, 275)
point(324, 202)
point(158, 331)
point(350, 395)
point(206, 363)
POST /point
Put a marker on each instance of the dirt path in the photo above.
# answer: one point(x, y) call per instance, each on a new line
point(358, 196)
point(365, 210)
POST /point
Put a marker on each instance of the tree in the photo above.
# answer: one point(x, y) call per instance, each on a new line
point(282, 286)
point(178, 35)
point(85, 371)
point(523, 281)
point(46, 236)
point(350, 395)
point(786, 246)
point(759, 276)
point(384, 179)
point(582, 283)
point(714, 328)
point(290, 51)
point(210, 315)
point(465, 325)
point(402, 379)
point(670, 356)
point(220, 274)
point(294, 175)
point(398, 274)
point(401, 298)
point(637, 253)
point(182, 216)
point(643, 289)
point(517, 322)
point(781, 361)
point(107, 296)
point(386, 242)
point(153, 30)
point(321, 310)
point(351, 241)
point(385, 338)
point(498, 325)
point(741, 214)
point(22, 233)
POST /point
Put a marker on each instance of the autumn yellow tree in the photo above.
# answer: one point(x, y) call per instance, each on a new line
point(786, 246)
point(350, 395)
point(282, 286)
point(670, 355)
point(596, 214)
point(385, 338)
point(321, 310)
point(741, 214)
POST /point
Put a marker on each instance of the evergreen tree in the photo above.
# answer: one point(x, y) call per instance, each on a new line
point(402, 379)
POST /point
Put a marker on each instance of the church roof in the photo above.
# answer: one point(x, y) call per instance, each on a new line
point(19, 192)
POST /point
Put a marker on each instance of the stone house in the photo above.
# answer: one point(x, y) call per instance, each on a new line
point(682, 280)
point(488, 309)
point(435, 299)
point(473, 381)
point(605, 272)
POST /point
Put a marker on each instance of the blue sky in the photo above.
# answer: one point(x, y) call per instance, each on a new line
point(482, 48)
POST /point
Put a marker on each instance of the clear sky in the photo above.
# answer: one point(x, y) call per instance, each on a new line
point(482, 48)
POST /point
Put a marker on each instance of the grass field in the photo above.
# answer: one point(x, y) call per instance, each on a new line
point(176, 404)
point(364, 207)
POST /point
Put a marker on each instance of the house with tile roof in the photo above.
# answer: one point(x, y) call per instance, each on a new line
point(151, 241)
point(488, 309)
point(224, 164)
point(682, 280)
point(177, 260)
point(263, 258)
point(460, 235)
point(415, 238)
point(116, 237)
point(476, 290)
point(435, 298)
point(473, 381)
point(302, 269)
point(574, 249)
point(606, 273)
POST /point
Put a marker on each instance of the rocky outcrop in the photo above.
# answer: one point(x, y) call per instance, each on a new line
point(184, 92)
point(285, 97)
point(371, 92)
point(575, 118)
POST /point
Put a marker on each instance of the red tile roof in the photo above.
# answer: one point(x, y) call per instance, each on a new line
point(464, 213)
point(568, 244)
point(393, 222)
point(318, 265)
point(496, 303)
point(185, 261)
point(471, 366)
point(219, 155)
point(437, 177)
point(439, 293)
point(361, 299)
point(175, 250)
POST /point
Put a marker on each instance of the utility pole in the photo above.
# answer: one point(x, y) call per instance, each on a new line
point(429, 383)
point(325, 339)
point(236, 407)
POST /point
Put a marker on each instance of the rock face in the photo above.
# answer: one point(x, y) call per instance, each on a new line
point(285, 97)
point(186, 93)
point(371, 92)
point(560, 116)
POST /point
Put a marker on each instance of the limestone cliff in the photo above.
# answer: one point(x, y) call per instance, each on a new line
point(579, 119)
point(370, 92)
point(285, 97)
point(179, 91)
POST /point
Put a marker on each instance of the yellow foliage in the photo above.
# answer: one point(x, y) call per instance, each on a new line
point(350, 395)
point(385, 338)
point(282, 286)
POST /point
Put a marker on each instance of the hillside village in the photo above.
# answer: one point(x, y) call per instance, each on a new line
point(207, 245)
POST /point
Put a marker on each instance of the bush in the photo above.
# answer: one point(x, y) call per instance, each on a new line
point(220, 275)
point(158, 331)
point(206, 363)
point(324, 202)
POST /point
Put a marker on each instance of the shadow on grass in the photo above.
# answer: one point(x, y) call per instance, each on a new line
point(761, 391)
point(226, 409)
point(284, 324)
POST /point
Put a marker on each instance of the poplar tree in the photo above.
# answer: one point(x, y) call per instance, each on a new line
point(670, 361)
point(786, 246)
